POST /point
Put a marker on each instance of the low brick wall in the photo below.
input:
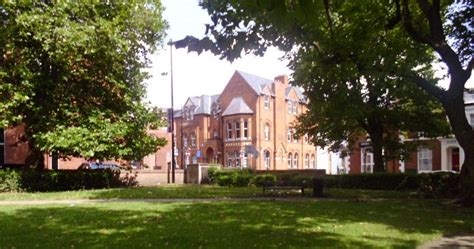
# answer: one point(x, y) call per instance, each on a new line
point(309, 172)
point(153, 178)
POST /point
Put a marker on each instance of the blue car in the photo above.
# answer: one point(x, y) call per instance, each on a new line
point(99, 166)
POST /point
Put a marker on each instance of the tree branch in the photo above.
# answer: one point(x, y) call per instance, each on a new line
point(427, 86)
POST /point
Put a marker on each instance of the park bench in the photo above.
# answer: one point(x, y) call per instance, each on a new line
point(270, 186)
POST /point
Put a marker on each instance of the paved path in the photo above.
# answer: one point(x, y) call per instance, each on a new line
point(457, 242)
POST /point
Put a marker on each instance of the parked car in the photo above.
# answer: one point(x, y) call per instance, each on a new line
point(98, 166)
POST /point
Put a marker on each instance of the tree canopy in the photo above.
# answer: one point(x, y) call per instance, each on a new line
point(325, 30)
point(72, 74)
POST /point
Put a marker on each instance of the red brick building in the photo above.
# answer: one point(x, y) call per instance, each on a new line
point(13, 152)
point(248, 125)
point(443, 153)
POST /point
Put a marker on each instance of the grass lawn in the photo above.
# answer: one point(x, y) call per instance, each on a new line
point(191, 191)
point(357, 221)
point(231, 224)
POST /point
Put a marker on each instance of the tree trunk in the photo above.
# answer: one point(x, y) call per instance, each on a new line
point(34, 158)
point(377, 150)
point(464, 133)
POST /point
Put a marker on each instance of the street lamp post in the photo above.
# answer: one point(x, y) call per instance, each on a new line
point(173, 159)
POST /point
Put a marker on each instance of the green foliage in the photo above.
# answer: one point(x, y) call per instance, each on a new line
point(439, 185)
point(376, 181)
point(45, 181)
point(10, 181)
point(72, 73)
point(265, 180)
point(230, 177)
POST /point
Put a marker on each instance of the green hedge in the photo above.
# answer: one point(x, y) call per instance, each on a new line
point(60, 180)
point(230, 177)
point(375, 181)
point(438, 185)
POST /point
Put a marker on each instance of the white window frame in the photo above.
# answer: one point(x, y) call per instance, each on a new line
point(367, 161)
point(290, 106)
point(313, 161)
point(237, 130)
point(266, 159)
point(425, 159)
point(266, 102)
point(245, 160)
point(266, 132)
point(295, 160)
point(245, 129)
point(290, 160)
point(295, 139)
point(237, 159)
point(306, 161)
point(229, 131)
point(185, 140)
point(289, 135)
point(215, 134)
point(193, 139)
point(295, 107)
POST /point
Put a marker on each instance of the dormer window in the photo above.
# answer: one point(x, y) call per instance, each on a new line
point(216, 110)
point(295, 107)
point(290, 106)
point(266, 102)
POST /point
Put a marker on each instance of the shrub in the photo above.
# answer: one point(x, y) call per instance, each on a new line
point(376, 181)
point(439, 185)
point(224, 180)
point(265, 180)
point(9, 181)
point(212, 173)
point(61, 180)
point(241, 179)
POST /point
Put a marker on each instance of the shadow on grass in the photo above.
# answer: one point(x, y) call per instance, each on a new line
point(229, 225)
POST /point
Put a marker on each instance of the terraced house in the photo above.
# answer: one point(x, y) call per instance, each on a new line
point(248, 125)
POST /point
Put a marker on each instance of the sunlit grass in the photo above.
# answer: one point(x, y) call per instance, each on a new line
point(232, 224)
point(194, 191)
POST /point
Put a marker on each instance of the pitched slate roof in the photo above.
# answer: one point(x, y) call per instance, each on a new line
point(298, 91)
point(237, 106)
point(202, 104)
point(256, 82)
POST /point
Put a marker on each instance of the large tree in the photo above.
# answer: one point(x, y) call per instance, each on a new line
point(300, 26)
point(71, 73)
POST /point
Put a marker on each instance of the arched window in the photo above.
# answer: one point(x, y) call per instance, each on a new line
point(245, 160)
point(229, 159)
point(306, 138)
point(266, 159)
point(237, 158)
point(289, 135)
point(185, 140)
point(313, 161)
point(193, 139)
point(306, 161)
point(215, 134)
point(266, 132)
point(295, 160)
point(289, 159)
